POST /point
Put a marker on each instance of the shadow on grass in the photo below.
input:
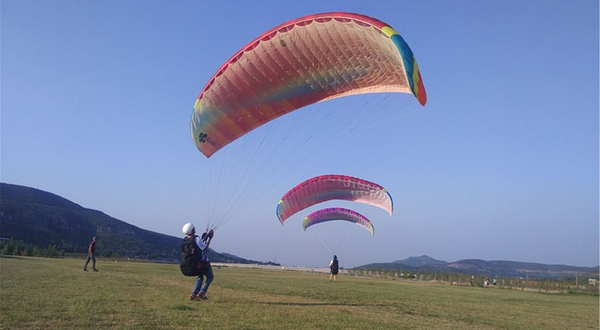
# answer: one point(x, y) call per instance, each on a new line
point(289, 303)
point(8, 256)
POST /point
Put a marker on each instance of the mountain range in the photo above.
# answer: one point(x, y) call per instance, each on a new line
point(43, 219)
point(483, 267)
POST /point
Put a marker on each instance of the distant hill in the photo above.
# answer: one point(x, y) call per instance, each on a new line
point(419, 261)
point(42, 218)
point(483, 267)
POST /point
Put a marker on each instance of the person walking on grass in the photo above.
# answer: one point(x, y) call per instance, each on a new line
point(200, 247)
point(334, 268)
point(91, 255)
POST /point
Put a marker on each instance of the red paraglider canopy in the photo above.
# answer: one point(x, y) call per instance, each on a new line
point(303, 61)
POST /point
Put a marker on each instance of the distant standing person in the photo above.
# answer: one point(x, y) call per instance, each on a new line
point(334, 268)
point(201, 245)
point(91, 255)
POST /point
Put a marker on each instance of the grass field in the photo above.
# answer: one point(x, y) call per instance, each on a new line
point(37, 293)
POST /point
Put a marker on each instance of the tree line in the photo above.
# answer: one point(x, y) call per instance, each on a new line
point(21, 248)
point(571, 284)
point(14, 247)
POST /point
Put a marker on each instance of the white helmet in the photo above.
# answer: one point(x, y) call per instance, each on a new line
point(188, 228)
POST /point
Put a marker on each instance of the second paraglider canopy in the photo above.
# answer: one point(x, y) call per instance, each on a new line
point(333, 187)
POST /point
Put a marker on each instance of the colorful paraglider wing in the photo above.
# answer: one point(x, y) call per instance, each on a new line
point(307, 60)
point(337, 213)
point(330, 187)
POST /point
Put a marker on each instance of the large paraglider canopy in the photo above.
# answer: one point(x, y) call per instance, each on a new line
point(306, 60)
point(337, 213)
point(333, 187)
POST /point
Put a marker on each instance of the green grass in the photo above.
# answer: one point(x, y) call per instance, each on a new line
point(37, 293)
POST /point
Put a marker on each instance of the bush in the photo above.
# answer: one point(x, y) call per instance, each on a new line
point(9, 247)
point(51, 252)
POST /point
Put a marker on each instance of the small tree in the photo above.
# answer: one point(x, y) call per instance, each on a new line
point(29, 250)
point(9, 247)
point(51, 252)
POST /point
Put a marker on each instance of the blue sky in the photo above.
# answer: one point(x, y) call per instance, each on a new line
point(501, 164)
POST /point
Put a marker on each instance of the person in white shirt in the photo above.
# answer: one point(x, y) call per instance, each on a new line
point(199, 291)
